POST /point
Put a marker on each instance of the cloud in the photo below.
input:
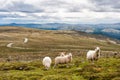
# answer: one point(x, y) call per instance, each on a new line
point(19, 6)
point(107, 5)
point(71, 11)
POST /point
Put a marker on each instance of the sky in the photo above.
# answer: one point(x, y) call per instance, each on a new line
point(60, 11)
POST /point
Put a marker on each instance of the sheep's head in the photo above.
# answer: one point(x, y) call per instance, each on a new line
point(70, 56)
point(47, 66)
point(97, 48)
point(97, 51)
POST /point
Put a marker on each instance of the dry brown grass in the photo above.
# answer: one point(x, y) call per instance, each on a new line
point(46, 42)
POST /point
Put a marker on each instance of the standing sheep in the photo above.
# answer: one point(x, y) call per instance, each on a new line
point(47, 62)
point(93, 54)
point(63, 59)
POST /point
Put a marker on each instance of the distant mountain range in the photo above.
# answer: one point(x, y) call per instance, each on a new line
point(109, 30)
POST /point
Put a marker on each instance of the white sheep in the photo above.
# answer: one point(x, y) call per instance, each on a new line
point(63, 59)
point(93, 54)
point(25, 40)
point(10, 45)
point(47, 62)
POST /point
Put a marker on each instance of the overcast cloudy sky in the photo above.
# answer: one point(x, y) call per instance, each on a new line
point(60, 11)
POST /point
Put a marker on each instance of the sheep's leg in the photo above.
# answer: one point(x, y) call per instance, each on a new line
point(89, 60)
point(92, 61)
point(96, 59)
point(54, 66)
point(67, 65)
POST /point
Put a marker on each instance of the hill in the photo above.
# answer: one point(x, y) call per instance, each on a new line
point(22, 61)
point(109, 30)
point(51, 41)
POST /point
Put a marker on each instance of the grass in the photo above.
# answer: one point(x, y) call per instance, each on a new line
point(26, 59)
point(103, 69)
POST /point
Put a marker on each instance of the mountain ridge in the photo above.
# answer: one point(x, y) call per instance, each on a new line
point(89, 28)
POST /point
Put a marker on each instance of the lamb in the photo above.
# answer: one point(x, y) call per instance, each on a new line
point(63, 59)
point(47, 62)
point(93, 54)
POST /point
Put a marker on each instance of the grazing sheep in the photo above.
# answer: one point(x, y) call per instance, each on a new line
point(25, 40)
point(93, 54)
point(10, 45)
point(47, 62)
point(63, 59)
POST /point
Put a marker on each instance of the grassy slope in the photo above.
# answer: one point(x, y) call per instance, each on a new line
point(50, 43)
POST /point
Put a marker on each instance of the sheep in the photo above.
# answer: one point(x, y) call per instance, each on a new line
point(63, 59)
point(47, 62)
point(10, 45)
point(93, 54)
point(25, 40)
